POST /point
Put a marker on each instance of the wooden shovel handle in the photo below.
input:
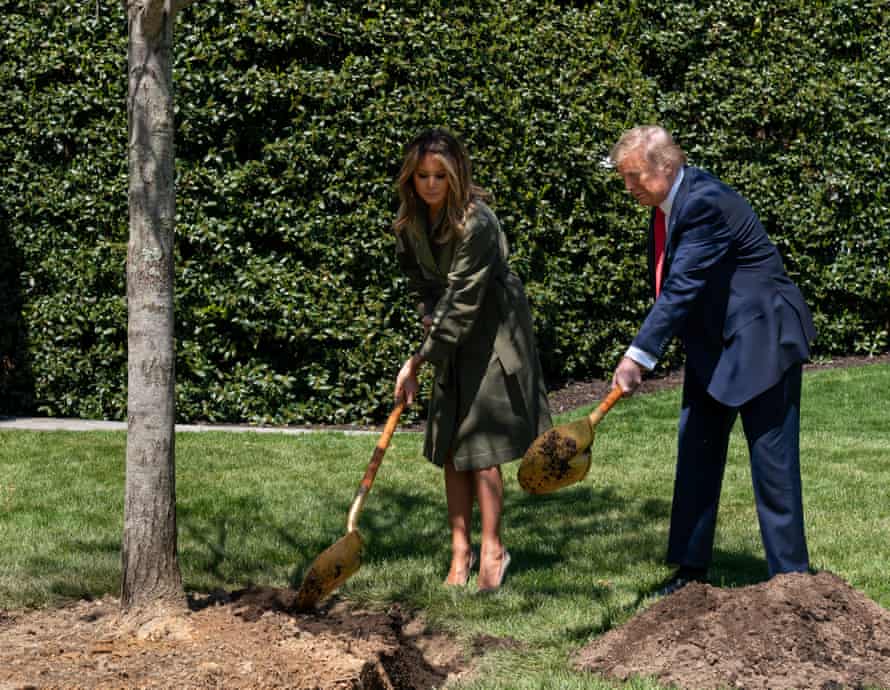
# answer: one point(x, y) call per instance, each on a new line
point(359, 500)
point(613, 397)
point(382, 445)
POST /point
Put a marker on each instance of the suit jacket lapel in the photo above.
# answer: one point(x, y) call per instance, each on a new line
point(676, 211)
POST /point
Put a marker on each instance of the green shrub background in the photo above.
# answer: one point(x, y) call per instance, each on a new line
point(291, 117)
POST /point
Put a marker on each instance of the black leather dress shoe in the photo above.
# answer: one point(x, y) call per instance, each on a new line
point(681, 578)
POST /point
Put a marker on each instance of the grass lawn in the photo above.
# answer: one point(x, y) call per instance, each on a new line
point(258, 508)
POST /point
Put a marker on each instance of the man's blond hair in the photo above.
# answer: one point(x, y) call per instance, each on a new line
point(659, 148)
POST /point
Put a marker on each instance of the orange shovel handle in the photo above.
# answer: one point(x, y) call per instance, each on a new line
point(613, 397)
point(373, 466)
point(382, 445)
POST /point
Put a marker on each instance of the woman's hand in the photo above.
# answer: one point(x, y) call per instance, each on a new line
point(427, 322)
point(406, 382)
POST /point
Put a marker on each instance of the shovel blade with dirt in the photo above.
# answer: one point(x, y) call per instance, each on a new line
point(343, 558)
point(561, 456)
point(330, 569)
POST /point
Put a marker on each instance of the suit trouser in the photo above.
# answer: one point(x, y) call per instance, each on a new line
point(771, 422)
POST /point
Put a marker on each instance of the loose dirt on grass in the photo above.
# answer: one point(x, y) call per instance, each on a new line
point(812, 632)
point(244, 640)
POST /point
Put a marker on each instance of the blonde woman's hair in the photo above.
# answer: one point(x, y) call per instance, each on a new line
point(462, 192)
point(658, 145)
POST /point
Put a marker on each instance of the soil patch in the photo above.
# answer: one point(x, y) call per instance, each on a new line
point(246, 639)
point(793, 631)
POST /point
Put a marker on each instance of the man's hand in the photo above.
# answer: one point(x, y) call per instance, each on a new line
point(406, 382)
point(628, 375)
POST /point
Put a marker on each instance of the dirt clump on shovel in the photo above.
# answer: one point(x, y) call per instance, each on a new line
point(558, 450)
point(793, 631)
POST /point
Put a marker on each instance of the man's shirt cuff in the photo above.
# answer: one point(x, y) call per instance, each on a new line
point(644, 359)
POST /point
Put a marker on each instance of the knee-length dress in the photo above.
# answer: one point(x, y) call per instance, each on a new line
point(489, 401)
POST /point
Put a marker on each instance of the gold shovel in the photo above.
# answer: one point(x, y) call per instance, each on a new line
point(338, 562)
point(561, 456)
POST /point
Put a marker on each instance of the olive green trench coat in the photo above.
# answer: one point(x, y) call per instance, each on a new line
point(489, 400)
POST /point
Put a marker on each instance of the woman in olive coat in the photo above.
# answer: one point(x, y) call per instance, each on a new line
point(489, 401)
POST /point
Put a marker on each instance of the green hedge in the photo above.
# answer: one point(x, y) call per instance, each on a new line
point(291, 118)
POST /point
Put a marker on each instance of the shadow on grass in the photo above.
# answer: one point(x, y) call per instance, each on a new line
point(567, 543)
point(730, 569)
point(571, 543)
point(228, 540)
point(88, 569)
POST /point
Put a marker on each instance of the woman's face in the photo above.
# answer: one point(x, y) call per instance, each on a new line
point(431, 182)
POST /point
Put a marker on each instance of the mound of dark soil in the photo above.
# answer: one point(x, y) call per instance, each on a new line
point(793, 631)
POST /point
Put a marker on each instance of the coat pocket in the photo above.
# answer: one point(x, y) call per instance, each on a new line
point(507, 351)
point(739, 319)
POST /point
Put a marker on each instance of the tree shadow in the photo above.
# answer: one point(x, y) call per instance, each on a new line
point(583, 537)
point(16, 378)
point(86, 578)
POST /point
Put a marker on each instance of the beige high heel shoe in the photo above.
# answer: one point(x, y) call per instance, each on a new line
point(505, 561)
point(471, 562)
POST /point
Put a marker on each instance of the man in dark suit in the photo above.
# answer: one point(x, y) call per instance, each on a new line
point(720, 286)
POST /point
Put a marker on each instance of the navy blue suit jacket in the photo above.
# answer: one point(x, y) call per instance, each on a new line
point(725, 293)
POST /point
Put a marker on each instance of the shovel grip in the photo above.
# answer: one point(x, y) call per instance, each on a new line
point(613, 397)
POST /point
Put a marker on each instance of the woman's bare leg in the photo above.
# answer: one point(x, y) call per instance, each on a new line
point(459, 496)
point(490, 494)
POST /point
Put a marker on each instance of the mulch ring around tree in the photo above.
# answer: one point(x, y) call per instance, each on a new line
point(245, 639)
point(796, 630)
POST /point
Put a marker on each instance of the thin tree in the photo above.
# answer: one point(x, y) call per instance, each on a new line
point(150, 566)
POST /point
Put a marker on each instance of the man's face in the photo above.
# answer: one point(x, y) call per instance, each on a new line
point(649, 184)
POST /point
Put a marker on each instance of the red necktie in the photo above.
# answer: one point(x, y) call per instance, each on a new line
point(660, 236)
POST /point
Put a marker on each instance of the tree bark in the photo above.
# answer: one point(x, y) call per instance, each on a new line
point(150, 568)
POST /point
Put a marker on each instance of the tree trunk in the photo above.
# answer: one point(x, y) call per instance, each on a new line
point(149, 550)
